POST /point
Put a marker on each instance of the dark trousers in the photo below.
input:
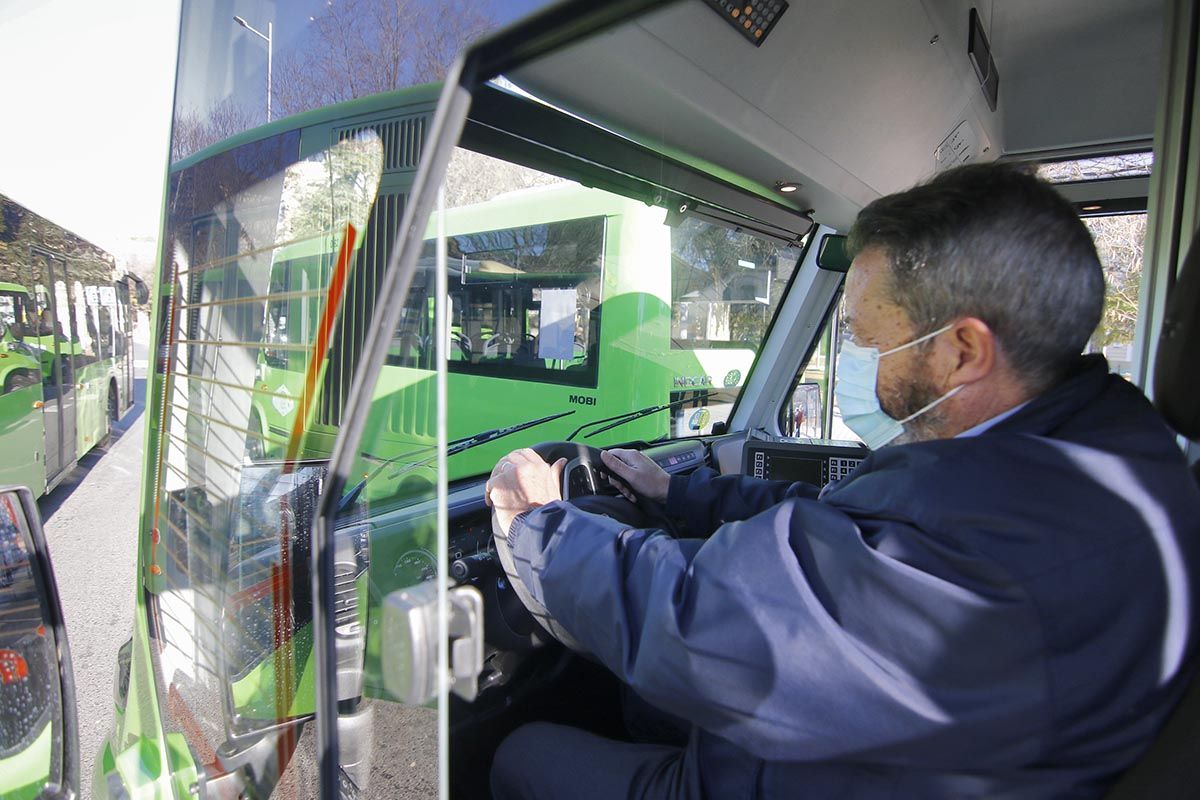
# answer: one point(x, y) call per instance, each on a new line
point(541, 761)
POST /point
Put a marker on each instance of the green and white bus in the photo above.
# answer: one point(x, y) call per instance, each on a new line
point(545, 285)
point(66, 351)
point(360, 307)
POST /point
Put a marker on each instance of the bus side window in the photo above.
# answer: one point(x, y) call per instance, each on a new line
point(725, 286)
point(9, 315)
point(810, 410)
point(86, 301)
point(277, 322)
point(105, 338)
point(1120, 239)
point(524, 302)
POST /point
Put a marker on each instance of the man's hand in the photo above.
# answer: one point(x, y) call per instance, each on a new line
point(639, 471)
point(521, 481)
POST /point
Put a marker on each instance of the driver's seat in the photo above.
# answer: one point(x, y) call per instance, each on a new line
point(1171, 767)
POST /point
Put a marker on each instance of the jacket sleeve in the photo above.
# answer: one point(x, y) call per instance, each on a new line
point(790, 636)
point(707, 500)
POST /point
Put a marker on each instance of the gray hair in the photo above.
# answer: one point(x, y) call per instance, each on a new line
point(994, 242)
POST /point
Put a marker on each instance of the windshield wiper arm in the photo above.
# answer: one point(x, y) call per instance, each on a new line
point(630, 416)
point(452, 448)
point(459, 445)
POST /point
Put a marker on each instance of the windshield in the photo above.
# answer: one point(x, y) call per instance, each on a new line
point(564, 301)
point(569, 298)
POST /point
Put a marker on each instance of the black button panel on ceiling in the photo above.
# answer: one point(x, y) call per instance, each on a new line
point(753, 18)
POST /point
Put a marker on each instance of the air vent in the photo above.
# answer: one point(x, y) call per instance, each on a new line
point(403, 140)
point(358, 306)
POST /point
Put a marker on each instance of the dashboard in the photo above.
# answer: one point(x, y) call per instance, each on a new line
point(512, 636)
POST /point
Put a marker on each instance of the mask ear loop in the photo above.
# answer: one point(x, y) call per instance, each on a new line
point(934, 404)
point(918, 340)
point(944, 397)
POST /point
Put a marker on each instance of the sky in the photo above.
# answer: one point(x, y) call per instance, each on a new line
point(87, 110)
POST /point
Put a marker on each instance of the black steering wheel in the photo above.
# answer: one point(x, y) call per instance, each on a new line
point(586, 485)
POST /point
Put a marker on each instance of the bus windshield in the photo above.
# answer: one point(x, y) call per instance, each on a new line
point(562, 298)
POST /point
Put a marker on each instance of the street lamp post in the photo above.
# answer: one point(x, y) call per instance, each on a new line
point(266, 38)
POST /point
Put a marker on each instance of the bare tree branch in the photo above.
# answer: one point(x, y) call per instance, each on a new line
point(363, 47)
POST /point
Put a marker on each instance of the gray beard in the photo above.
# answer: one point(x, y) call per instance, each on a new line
point(909, 399)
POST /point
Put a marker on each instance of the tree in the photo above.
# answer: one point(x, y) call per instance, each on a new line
point(476, 178)
point(353, 49)
point(193, 131)
point(709, 277)
point(1120, 243)
point(363, 47)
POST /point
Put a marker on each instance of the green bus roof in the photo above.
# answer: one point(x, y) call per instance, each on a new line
point(337, 112)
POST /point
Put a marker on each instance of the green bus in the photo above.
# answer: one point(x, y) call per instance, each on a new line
point(612, 219)
point(66, 348)
point(545, 285)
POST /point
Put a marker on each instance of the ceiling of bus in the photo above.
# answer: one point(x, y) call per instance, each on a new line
point(853, 99)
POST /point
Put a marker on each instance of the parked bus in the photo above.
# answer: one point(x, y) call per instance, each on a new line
point(359, 308)
point(66, 326)
point(545, 284)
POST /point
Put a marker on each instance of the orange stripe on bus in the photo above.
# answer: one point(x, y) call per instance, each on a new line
point(281, 583)
point(320, 346)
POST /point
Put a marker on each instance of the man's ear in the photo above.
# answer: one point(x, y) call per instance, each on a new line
point(974, 352)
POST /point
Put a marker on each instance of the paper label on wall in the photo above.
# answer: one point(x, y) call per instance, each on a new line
point(556, 332)
point(962, 146)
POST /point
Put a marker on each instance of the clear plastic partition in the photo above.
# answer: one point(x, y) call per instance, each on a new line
point(260, 248)
point(547, 310)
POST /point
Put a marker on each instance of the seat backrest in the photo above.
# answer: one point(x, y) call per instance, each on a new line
point(1170, 769)
point(1177, 368)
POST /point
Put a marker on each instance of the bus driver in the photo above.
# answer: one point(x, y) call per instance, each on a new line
point(995, 603)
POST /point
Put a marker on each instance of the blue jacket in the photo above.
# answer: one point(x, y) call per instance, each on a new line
point(1006, 615)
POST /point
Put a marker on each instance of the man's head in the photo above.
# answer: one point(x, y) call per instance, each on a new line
point(997, 255)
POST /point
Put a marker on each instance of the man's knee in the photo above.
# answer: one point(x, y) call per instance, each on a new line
point(517, 758)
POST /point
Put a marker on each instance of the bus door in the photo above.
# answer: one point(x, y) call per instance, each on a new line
point(53, 337)
point(123, 342)
point(117, 333)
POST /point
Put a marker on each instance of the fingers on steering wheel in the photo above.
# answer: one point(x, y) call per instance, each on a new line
point(525, 454)
point(555, 477)
point(621, 486)
point(613, 461)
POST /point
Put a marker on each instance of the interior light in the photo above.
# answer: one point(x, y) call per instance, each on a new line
point(1094, 207)
point(787, 187)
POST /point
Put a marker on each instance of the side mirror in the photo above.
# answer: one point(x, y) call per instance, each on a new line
point(39, 733)
point(803, 413)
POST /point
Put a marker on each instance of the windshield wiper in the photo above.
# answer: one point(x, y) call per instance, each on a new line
point(452, 448)
point(630, 416)
point(459, 445)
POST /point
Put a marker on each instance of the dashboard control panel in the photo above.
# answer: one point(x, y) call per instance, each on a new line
point(815, 461)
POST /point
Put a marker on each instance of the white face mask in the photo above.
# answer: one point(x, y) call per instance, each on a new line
point(857, 397)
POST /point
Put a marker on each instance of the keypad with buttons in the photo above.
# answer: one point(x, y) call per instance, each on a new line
point(754, 19)
point(839, 468)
